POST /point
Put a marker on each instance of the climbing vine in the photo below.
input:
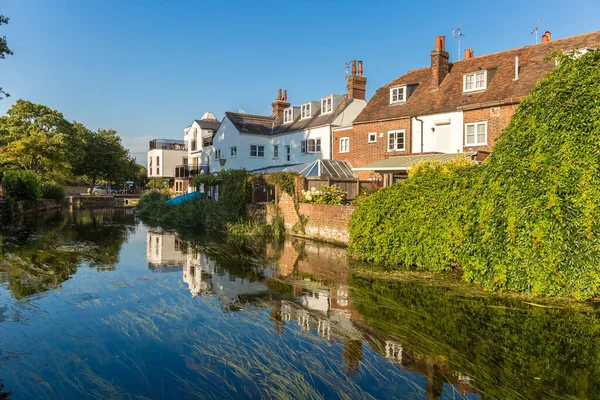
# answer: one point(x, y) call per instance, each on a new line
point(286, 182)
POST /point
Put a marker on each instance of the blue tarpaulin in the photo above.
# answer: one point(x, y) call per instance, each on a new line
point(177, 200)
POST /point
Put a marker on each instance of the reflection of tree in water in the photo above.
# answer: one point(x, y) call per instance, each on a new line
point(36, 256)
point(353, 354)
point(3, 394)
point(275, 316)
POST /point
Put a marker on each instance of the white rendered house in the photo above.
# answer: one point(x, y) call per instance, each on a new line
point(163, 156)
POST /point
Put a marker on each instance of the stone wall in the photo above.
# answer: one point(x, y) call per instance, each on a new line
point(325, 222)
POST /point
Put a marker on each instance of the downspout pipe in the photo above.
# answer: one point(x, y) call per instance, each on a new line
point(421, 121)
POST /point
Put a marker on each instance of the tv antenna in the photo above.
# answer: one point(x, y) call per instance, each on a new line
point(535, 29)
point(457, 34)
point(348, 66)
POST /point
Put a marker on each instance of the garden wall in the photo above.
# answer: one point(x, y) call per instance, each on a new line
point(325, 222)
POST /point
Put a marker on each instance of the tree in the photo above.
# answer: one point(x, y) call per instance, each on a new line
point(37, 138)
point(4, 50)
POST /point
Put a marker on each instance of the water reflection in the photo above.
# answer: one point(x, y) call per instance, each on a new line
point(95, 305)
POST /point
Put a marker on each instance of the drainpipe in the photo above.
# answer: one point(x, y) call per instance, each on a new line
point(421, 121)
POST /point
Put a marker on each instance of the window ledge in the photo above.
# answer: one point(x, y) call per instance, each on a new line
point(342, 152)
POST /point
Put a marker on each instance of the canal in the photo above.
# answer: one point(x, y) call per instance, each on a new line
point(94, 304)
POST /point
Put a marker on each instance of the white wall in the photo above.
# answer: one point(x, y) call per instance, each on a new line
point(228, 136)
point(445, 138)
point(169, 159)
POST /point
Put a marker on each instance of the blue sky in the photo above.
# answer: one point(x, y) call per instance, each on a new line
point(147, 68)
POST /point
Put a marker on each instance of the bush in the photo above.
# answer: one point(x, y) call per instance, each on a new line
point(419, 222)
point(327, 195)
point(52, 190)
point(21, 185)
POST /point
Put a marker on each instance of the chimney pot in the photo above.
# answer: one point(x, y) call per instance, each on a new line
point(546, 37)
point(360, 68)
point(439, 62)
point(440, 42)
point(279, 94)
point(285, 95)
point(353, 67)
point(357, 84)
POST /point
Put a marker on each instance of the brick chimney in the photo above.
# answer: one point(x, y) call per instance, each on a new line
point(357, 83)
point(469, 54)
point(439, 62)
point(546, 37)
point(280, 104)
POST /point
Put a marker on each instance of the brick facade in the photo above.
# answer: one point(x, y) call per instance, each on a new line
point(362, 152)
point(325, 222)
point(497, 119)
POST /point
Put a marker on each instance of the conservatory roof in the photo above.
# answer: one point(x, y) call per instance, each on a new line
point(404, 163)
point(318, 168)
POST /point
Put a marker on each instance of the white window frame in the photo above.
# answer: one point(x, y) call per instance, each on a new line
point(218, 154)
point(475, 138)
point(303, 146)
point(275, 151)
point(288, 153)
point(374, 136)
point(315, 144)
point(395, 89)
point(233, 151)
point(475, 80)
point(345, 144)
point(288, 115)
point(257, 151)
point(395, 134)
point(327, 105)
point(305, 111)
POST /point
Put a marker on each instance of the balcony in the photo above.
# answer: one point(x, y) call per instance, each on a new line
point(207, 141)
point(187, 171)
point(168, 144)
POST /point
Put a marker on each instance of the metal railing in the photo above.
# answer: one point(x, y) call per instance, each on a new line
point(187, 171)
point(168, 144)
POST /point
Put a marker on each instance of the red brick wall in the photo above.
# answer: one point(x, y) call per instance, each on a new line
point(362, 152)
point(497, 118)
point(325, 222)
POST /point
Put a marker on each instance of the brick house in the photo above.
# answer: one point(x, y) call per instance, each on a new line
point(447, 108)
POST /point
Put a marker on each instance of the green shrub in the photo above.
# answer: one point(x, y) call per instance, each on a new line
point(21, 185)
point(278, 228)
point(419, 222)
point(52, 190)
point(327, 195)
point(537, 227)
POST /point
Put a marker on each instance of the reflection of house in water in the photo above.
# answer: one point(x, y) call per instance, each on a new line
point(165, 252)
point(197, 273)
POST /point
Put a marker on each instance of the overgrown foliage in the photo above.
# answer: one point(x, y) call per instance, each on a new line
point(21, 185)
point(4, 51)
point(52, 190)
point(527, 220)
point(327, 195)
point(286, 182)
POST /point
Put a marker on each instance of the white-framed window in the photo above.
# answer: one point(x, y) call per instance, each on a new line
point(476, 134)
point(396, 140)
point(344, 145)
point(398, 94)
point(305, 110)
point(257, 151)
point(475, 81)
point(327, 105)
point(288, 115)
point(288, 153)
point(233, 151)
point(314, 145)
point(275, 151)
point(373, 137)
point(184, 160)
point(303, 147)
point(218, 154)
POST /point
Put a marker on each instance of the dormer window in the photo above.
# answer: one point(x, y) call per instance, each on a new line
point(288, 115)
point(305, 111)
point(475, 81)
point(398, 95)
point(327, 105)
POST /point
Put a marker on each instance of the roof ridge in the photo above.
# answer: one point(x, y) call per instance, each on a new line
point(244, 115)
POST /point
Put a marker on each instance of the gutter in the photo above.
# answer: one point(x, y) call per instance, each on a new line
point(421, 121)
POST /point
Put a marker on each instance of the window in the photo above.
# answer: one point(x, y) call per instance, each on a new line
point(372, 137)
point(396, 140)
point(476, 134)
point(327, 105)
point(218, 154)
point(344, 145)
point(314, 145)
point(303, 147)
point(305, 110)
point(398, 95)
point(276, 151)
point(184, 160)
point(233, 151)
point(475, 81)
point(288, 115)
point(257, 151)
point(288, 153)
point(157, 165)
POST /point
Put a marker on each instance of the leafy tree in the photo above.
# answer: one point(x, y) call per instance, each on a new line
point(4, 50)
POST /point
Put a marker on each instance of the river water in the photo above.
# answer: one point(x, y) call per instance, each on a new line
point(94, 304)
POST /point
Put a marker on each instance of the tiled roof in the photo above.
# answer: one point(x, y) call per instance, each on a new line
point(208, 124)
point(270, 125)
point(403, 163)
point(502, 87)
